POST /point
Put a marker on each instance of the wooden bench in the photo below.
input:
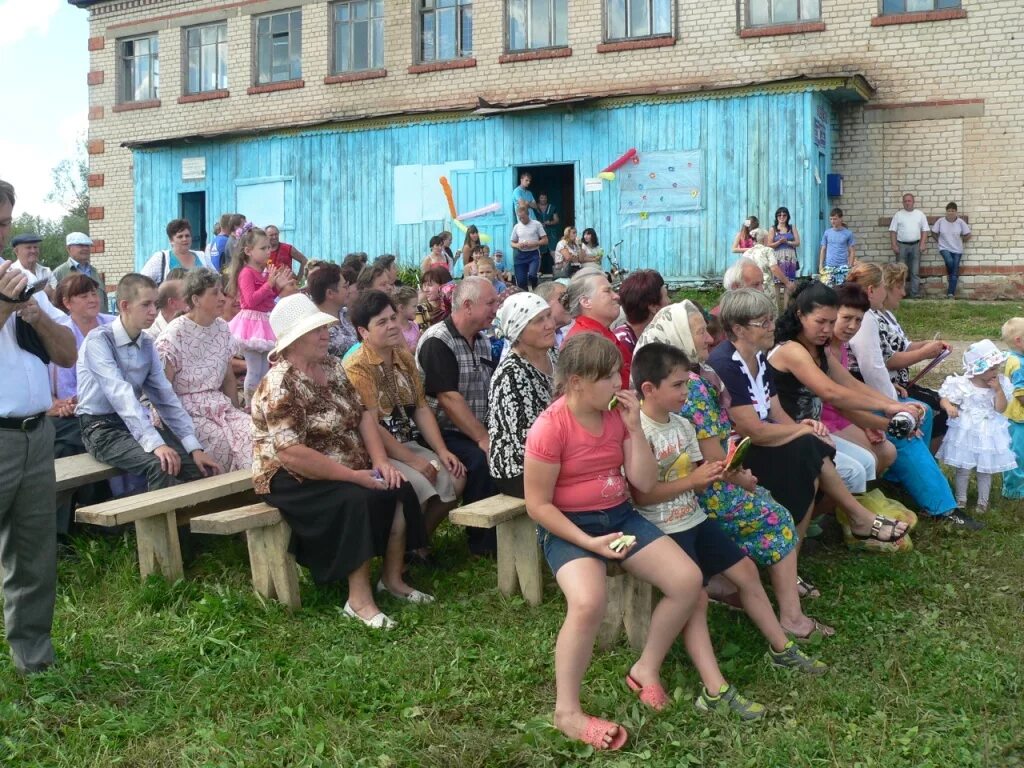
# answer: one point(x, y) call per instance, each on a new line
point(75, 471)
point(630, 601)
point(156, 521)
point(275, 574)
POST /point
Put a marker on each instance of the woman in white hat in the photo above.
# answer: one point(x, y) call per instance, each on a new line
point(521, 386)
point(318, 457)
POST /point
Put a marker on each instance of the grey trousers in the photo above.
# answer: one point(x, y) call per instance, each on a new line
point(108, 440)
point(28, 544)
point(910, 254)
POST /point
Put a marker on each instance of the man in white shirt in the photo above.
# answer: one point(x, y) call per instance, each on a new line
point(169, 304)
point(26, 254)
point(29, 339)
point(528, 237)
point(908, 236)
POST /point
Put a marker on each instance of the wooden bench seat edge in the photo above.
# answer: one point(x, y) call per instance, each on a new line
point(75, 471)
point(489, 512)
point(232, 521)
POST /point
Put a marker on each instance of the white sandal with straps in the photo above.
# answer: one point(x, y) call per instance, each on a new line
point(379, 621)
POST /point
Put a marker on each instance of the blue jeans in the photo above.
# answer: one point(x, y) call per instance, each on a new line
point(526, 264)
point(952, 268)
point(910, 254)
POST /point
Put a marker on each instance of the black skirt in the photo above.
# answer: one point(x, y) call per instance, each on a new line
point(789, 471)
point(337, 526)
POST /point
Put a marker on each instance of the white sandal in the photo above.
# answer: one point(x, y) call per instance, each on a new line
point(379, 621)
point(416, 597)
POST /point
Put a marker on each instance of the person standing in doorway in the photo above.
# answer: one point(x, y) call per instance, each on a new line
point(547, 215)
point(522, 196)
point(528, 238)
point(951, 232)
point(908, 237)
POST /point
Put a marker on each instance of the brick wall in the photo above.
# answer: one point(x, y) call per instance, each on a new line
point(971, 153)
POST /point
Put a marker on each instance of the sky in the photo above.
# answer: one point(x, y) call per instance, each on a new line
point(44, 98)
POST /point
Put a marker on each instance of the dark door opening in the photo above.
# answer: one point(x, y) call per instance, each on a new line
point(193, 209)
point(558, 182)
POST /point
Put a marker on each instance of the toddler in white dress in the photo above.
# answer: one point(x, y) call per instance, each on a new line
point(979, 435)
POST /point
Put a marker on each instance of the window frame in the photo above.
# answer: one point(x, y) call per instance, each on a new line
point(529, 48)
point(371, 19)
point(256, 46)
point(750, 24)
point(606, 31)
point(123, 97)
point(934, 9)
point(186, 63)
point(420, 10)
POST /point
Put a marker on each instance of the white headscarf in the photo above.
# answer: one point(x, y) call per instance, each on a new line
point(672, 326)
point(517, 312)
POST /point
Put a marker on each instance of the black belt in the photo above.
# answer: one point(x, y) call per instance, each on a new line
point(908, 242)
point(26, 424)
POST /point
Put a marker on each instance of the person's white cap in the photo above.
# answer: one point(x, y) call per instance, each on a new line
point(77, 238)
point(293, 317)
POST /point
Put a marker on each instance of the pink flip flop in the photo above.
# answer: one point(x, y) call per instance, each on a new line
point(597, 729)
point(653, 696)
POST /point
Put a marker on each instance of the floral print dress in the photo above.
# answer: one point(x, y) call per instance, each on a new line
point(758, 524)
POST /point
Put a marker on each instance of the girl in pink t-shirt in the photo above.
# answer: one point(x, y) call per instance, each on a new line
point(257, 286)
point(580, 454)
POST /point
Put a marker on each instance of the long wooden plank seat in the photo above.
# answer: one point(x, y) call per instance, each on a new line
point(155, 517)
point(275, 574)
point(76, 471)
point(630, 600)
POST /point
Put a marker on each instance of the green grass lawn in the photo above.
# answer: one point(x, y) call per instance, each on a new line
point(927, 670)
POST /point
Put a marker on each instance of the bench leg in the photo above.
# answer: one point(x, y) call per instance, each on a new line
point(636, 615)
point(274, 572)
point(611, 627)
point(519, 559)
point(159, 550)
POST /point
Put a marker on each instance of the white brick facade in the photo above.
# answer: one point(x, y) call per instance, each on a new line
point(945, 122)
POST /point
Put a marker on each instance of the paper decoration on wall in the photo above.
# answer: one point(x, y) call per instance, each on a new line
point(462, 228)
point(661, 182)
point(448, 195)
point(492, 208)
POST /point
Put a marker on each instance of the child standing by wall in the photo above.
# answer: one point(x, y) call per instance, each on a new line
point(1013, 335)
point(838, 251)
point(978, 436)
point(951, 232)
point(257, 288)
point(406, 298)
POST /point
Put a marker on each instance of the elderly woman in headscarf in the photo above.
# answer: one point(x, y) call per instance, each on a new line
point(521, 386)
point(759, 525)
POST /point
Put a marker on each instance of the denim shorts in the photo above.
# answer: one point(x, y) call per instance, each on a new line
point(622, 518)
point(709, 547)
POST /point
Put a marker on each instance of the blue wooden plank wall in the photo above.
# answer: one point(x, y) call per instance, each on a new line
point(759, 152)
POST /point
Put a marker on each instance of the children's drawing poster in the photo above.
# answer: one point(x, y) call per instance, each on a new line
point(661, 185)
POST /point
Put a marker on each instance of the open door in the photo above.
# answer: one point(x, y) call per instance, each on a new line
point(477, 188)
point(193, 210)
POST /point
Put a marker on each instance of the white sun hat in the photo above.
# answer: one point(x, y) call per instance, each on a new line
point(982, 356)
point(294, 317)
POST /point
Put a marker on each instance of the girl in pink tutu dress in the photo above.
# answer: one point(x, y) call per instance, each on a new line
point(257, 286)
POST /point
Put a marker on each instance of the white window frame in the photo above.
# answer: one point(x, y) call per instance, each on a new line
point(294, 46)
point(933, 3)
point(434, 8)
point(219, 50)
point(805, 13)
point(127, 69)
point(375, 58)
point(552, 33)
point(627, 14)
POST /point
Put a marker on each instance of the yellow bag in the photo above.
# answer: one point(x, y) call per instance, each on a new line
point(876, 501)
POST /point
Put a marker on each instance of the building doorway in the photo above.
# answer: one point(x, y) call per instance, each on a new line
point(558, 182)
point(192, 208)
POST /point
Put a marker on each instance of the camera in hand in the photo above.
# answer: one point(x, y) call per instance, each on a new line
point(902, 425)
point(26, 294)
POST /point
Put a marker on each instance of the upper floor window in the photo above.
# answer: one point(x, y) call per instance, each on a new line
point(915, 6)
point(766, 12)
point(279, 47)
point(206, 49)
point(140, 69)
point(446, 29)
point(627, 19)
point(358, 35)
point(537, 24)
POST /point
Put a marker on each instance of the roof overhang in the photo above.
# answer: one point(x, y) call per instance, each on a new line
point(843, 87)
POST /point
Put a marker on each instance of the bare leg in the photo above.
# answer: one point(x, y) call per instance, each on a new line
point(394, 555)
point(755, 602)
point(582, 583)
point(360, 595)
point(436, 512)
point(861, 518)
point(791, 615)
point(663, 564)
point(698, 645)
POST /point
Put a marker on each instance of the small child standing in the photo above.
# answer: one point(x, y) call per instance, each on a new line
point(486, 269)
point(951, 232)
point(978, 436)
point(406, 298)
point(1013, 336)
point(257, 288)
point(838, 251)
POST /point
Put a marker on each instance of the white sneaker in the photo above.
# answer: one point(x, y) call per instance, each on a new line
point(416, 597)
point(380, 621)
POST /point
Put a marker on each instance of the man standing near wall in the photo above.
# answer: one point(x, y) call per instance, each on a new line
point(522, 196)
point(29, 339)
point(283, 254)
point(79, 248)
point(908, 236)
